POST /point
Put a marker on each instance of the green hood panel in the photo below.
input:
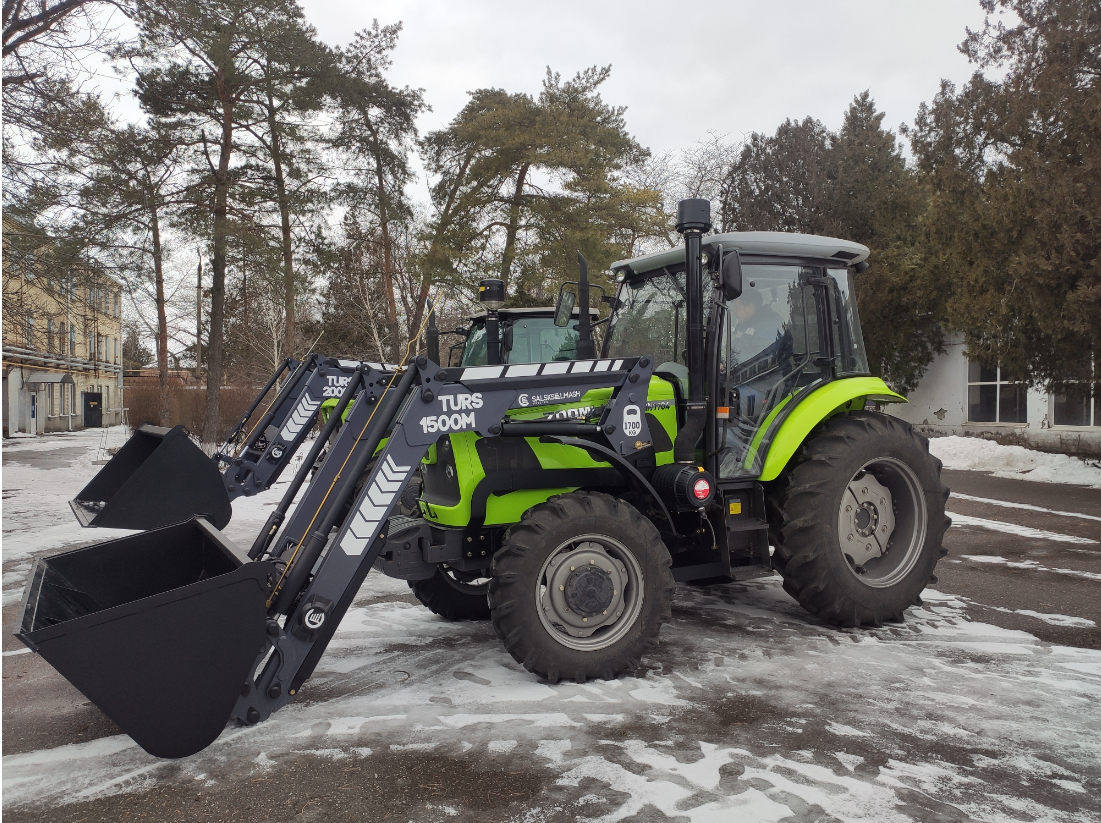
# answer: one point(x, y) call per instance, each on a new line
point(836, 397)
point(467, 470)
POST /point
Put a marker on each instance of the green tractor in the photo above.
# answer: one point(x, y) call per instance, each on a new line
point(726, 430)
point(761, 385)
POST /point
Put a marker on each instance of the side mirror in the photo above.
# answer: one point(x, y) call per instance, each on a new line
point(564, 310)
point(732, 275)
point(506, 338)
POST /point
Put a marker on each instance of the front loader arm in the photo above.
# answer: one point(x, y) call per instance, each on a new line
point(255, 459)
point(322, 576)
point(161, 629)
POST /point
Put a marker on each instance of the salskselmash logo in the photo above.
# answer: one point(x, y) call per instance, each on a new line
point(459, 419)
point(314, 619)
point(632, 420)
point(335, 385)
point(546, 399)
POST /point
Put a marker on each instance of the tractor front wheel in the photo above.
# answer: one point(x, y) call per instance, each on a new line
point(857, 520)
point(580, 588)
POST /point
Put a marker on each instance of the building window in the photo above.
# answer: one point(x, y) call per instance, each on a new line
point(29, 331)
point(72, 340)
point(1078, 406)
point(992, 397)
point(49, 334)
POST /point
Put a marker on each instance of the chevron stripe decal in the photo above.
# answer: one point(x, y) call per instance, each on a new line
point(299, 418)
point(532, 369)
point(387, 483)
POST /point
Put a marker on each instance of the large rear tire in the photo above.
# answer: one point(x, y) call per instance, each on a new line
point(580, 588)
point(857, 520)
point(453, 595)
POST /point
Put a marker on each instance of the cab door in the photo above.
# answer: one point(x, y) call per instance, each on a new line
point(772, 350)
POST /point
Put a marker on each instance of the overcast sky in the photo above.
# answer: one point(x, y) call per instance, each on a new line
point(735, 68)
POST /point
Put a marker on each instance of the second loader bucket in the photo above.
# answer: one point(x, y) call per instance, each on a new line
point(160, 630)
point(157, 478)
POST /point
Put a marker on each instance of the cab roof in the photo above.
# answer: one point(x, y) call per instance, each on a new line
point(765, 243)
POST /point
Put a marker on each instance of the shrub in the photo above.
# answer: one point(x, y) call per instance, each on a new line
point(187, 406)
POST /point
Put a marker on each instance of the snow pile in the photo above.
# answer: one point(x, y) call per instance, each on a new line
point(976, 454)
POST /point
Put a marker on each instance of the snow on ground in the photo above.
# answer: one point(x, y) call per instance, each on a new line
point(1017, 462)
point(748, 710)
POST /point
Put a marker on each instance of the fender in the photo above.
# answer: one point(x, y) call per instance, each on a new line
point(836, 397)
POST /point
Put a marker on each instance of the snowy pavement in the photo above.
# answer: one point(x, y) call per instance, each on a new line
point(982, 706)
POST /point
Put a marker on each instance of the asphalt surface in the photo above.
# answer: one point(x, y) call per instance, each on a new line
point(998, 592)
point(1031, 574)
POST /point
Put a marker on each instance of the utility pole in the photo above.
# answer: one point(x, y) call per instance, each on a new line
point(199, 320)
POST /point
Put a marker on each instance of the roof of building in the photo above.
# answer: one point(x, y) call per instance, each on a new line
point(769, 243)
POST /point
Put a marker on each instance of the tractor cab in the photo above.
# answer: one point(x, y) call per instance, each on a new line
point(791, 328)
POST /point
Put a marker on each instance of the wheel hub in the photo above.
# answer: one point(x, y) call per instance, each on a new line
point(589, 590)
point(866, 520)
point(584, 589)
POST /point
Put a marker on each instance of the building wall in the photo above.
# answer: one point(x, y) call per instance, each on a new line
point(58, 320)
point(939, 405)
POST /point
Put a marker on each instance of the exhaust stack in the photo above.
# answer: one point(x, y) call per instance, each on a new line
point(693, 219)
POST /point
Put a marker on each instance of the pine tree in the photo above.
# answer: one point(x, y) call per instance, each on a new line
point(1014, 165)
point(855, 185)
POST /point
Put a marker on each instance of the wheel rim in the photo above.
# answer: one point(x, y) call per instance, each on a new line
point(466, 583)
point(589, 592)
point(881, 522)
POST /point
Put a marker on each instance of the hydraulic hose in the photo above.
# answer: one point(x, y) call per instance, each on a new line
point(344, 484)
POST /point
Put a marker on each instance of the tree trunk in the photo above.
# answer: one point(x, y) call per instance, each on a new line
point(387, 261)
point(285, 225)
point(216, 343)
point(162, 320)
point(446, 216)
point(513, 225)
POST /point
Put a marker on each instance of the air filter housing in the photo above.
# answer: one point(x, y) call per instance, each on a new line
point(491, 293)
point(684, 487)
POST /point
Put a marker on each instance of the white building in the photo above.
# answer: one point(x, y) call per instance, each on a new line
point(957, 396)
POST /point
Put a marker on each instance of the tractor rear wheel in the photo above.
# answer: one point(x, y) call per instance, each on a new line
point(857, 520)
point(580, 588)
point(454, 595)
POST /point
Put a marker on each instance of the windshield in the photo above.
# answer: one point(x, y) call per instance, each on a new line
point(533, 339)
point(649, 319)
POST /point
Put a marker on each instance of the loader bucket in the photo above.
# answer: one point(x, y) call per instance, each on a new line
point(160, 630)
point(157, 478)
